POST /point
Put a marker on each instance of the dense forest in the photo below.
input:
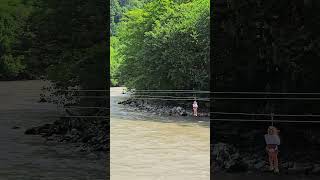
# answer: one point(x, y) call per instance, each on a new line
point(160, 44)
point(266, 46)
point(13, 23)
point(55, 40)
point(64, 42)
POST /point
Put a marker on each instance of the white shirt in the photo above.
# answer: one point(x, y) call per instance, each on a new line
point(195, 104)
point(272, 139)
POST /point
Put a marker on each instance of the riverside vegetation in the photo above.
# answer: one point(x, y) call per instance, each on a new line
point(56, 41)
point(266, 46)
point(160, 44)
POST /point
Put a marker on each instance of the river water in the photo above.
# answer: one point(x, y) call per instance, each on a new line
point(27, 157)
point(146, 147)
point(143, 147)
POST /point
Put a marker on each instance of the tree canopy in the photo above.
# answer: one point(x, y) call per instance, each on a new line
point(13, 16)
point(266, 46)
point(164, 45)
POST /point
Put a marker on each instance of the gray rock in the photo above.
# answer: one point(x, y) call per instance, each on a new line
point(74, 131)
point(259, 165)
point(300, 168)
point(179, 109)
point(183, 112)
point(316, 169)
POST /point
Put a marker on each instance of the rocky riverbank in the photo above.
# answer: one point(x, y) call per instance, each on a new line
point(31, 156)
point(164, 109)
point(227, 158)
point(90, 135)
point(241, 148)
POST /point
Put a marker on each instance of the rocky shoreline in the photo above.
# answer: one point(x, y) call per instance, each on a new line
point(93, 135)
point(241, 148)
point(161, 109)
point(231, 157)
point(227, 158)
point(89, 136)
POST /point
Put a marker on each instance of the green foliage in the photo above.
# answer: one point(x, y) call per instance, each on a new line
point(68, 43)
point(115, 61)
point(258, 45)
point(11, 66)
point(165, 45)
point(119, 7)
point(267, 46)
point(13, 15)
point(115, 13)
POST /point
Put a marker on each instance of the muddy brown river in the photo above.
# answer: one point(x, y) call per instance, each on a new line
point(143, 146)
point(27, 157)
point(146, 147)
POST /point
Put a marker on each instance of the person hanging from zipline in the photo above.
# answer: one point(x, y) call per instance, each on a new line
point(272, 141)
point(195, 108)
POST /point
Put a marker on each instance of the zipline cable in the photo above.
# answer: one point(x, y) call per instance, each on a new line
point(82, 116)
point(177, 97)
point(84, 107)
point(263, 120)
point(192, 97)
point(248, 98)
point(150, 97)
point(103, 90)
point(173, 92)
point(264, 93)
point(199, 99)
point(189, 91)
point(261, 114)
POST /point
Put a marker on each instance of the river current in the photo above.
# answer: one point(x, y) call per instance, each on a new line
point(146, 147)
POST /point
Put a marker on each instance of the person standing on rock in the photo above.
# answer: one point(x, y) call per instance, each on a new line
point(195, 108)
point(273, 141)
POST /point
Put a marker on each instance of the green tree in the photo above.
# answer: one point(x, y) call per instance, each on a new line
point(13, 17)
point(68, 45)
point(165, 45)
